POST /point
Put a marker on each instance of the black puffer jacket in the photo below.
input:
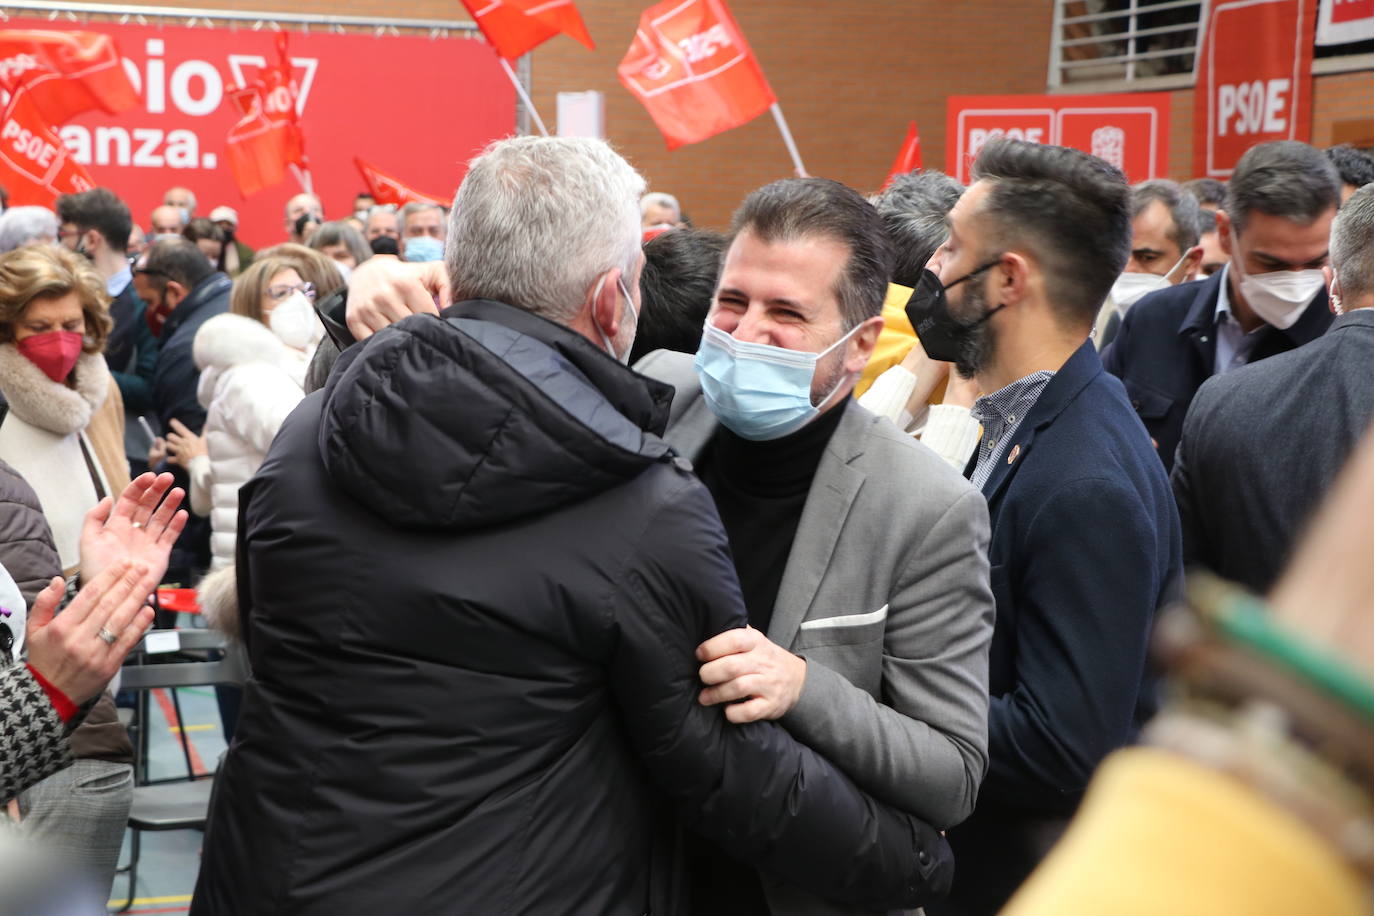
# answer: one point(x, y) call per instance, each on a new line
point(475, 578)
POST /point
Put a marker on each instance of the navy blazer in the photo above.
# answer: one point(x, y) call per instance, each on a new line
point(176, 377)
point(1085, 547)
point(1167, 347)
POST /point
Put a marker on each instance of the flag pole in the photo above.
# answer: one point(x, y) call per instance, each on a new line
point(787, 138)
point(303, 176)
point(524, 96)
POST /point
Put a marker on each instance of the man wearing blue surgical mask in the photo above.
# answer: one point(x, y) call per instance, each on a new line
point(861, 554)
point(1269, 299)
point(423, 230)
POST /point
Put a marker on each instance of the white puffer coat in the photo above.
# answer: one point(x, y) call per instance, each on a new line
point(249, 382)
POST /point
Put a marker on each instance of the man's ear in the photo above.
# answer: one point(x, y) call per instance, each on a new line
point(1192, 261)
point(1011, 278)
point(863, 343)
point(605, 302)
point(92, 241)
point(1224, 230)
point(173, 293)
point(1333, 288)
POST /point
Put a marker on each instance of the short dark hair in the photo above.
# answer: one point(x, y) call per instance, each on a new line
point(101, 210)
point(201, 228)
point(681, 268)
point(1070, 210)
point(1182, 207)
point(1283, 178)
point(1207, 190)
point(797, 208)
point(914, 208)
point(1356, 167)
point(1206, 222)
point(175, 259)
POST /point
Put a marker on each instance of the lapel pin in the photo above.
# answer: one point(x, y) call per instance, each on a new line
point(1015, 453)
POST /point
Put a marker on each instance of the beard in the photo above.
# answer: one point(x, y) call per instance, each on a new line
point(833, 378)
point(979, 343)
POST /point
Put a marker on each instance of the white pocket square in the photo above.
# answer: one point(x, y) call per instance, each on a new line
point(847, 620)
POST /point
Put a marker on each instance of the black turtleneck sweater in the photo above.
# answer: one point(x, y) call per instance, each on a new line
point(760, 489)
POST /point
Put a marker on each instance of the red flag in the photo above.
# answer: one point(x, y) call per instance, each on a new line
point(34, 162)
point(267, 137)
point(389, 190)
point(68, 73)
point(516, 27)
point(692, 69)
point(908, 157)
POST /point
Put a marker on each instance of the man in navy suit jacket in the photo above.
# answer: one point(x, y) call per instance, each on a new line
point(1085, 536)
point(1270, 299)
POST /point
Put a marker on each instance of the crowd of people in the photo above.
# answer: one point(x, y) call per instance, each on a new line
point(588, 561)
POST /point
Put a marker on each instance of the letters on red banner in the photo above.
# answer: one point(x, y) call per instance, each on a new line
point(1254, 80)
point(908, 157)
point(692, 69)
point(516, 27)
point(267, 138)
point(1343, 21)
point(386, 189)
point(1127, 130)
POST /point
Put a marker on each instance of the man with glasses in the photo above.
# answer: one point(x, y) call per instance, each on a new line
point(183, 292)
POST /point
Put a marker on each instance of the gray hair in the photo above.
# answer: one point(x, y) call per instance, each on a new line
point(1352, 245)
point(416, 206)
point(1283, 178)
point(914, 209)
point(659, 199)
point(1183, 209)
point(339, 232)
point(191, 195)
point(538, 219)
point(21, 225)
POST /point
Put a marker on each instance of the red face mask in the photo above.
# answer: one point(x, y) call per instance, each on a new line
point(157, 316)
point(54, 352)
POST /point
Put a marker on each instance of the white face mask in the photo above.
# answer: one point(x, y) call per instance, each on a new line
point(1131, 288)
point(1281, 296)
point(294, 322)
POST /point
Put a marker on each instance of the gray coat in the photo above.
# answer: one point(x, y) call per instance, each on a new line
point(886, 595)
point(1262, 445)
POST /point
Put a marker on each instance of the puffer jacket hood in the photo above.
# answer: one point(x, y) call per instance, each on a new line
point(229, 340)
point(485, 415)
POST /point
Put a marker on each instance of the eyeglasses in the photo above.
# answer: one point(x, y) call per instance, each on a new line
point(280, 291)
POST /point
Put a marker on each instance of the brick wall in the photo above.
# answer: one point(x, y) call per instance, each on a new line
point(848, 76)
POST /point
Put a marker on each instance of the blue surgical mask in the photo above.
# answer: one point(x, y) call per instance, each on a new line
point(759, 392)
point(634, 316)
point(424, 248)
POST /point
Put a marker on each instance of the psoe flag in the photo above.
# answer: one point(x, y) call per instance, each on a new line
point(516, 27)
point(692, 69)
point(1343, 21)
point(388, 189)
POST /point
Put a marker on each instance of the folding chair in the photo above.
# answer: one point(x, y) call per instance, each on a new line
point(179, 805)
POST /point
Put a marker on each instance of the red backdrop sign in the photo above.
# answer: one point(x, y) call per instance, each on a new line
point(417, 107)
point(1342, 21)
point(1254, 81)
point(1131, 131)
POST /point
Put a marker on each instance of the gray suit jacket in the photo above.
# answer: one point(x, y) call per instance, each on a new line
point(1262, 445)
point(886, 595)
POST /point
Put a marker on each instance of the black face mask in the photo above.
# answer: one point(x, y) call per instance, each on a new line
point(941, 334)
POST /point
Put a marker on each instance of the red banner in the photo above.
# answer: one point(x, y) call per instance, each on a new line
point(1129, 130)
point(1254, 80)
point(692, 69)
point(516, 27)
point(387, 189)
point(908, 157)
point(351, 104)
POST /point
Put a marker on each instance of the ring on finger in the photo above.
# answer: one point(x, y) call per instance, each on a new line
point(107, 636)
point(137, 525)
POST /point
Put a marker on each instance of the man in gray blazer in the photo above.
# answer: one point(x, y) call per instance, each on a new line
point(1262, 445)
point(861, 554)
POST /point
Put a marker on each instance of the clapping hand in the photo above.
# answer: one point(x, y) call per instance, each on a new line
point(139, 528)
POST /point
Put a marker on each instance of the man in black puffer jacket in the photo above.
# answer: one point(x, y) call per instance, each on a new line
point(473, 577)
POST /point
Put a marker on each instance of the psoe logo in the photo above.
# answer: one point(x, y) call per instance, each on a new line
point(705, 44)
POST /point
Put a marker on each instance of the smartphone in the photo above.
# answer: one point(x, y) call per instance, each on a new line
point(147, 428)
